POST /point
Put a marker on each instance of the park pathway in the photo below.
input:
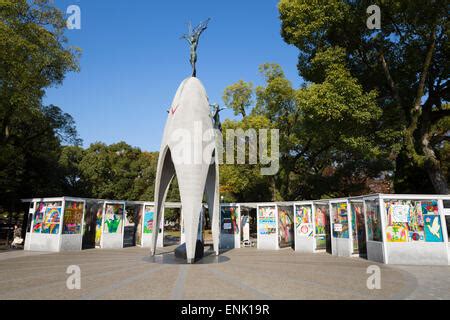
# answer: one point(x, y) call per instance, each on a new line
point(244, 273)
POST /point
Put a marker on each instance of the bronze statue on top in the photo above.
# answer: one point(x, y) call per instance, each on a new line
point(216, 109)
point(192, 38)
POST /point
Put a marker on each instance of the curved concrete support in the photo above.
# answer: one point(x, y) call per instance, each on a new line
point(165, 173)
point(211, 189)
point(187, 150)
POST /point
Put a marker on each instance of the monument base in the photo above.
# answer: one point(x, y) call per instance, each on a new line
point(180, 252)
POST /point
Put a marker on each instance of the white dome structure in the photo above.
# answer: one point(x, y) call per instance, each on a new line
point(188, 150)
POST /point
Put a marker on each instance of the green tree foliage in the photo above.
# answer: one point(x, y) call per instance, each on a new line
point(113, 172)
point(239, 97)
point(407, 62)
point(244, 182)
point(34, 56)
point(328, 135)
point(72, 180)
point(117, 171)
point(374, 101)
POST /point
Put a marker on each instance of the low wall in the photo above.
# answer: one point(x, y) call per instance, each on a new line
point(112, 241)
point(146, 240)
point(267, 242)
point(27, 245)
point(44, 242)
point(375, 251)
point(71, 242)
point(229, 241)
point(305, 244)
point(341, 247)
point(426, 253)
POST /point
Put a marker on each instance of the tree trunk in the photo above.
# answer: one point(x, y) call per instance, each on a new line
point(431, 163)
point(437, 179)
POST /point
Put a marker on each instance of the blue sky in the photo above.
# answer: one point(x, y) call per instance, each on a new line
point(133, 61)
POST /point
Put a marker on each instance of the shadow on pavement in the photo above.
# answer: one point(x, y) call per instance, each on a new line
point(169, 258)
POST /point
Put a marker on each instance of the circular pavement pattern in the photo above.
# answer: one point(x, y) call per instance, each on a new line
point(244, 273)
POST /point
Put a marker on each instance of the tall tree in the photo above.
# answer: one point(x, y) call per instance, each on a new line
point(328, 143)
point(119, 171)
point(407, 62)
point(244, 182)
point(72, 180)
point(34, 56)
point(238, 97)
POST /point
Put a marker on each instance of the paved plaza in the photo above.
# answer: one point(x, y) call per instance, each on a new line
point(237, 274)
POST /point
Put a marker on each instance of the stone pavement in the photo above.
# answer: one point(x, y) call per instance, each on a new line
point(244, 273)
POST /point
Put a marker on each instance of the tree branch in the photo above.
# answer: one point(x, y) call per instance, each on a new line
point(438, 115)
point(416, 111)
point(424, 74)
point(392, 85)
